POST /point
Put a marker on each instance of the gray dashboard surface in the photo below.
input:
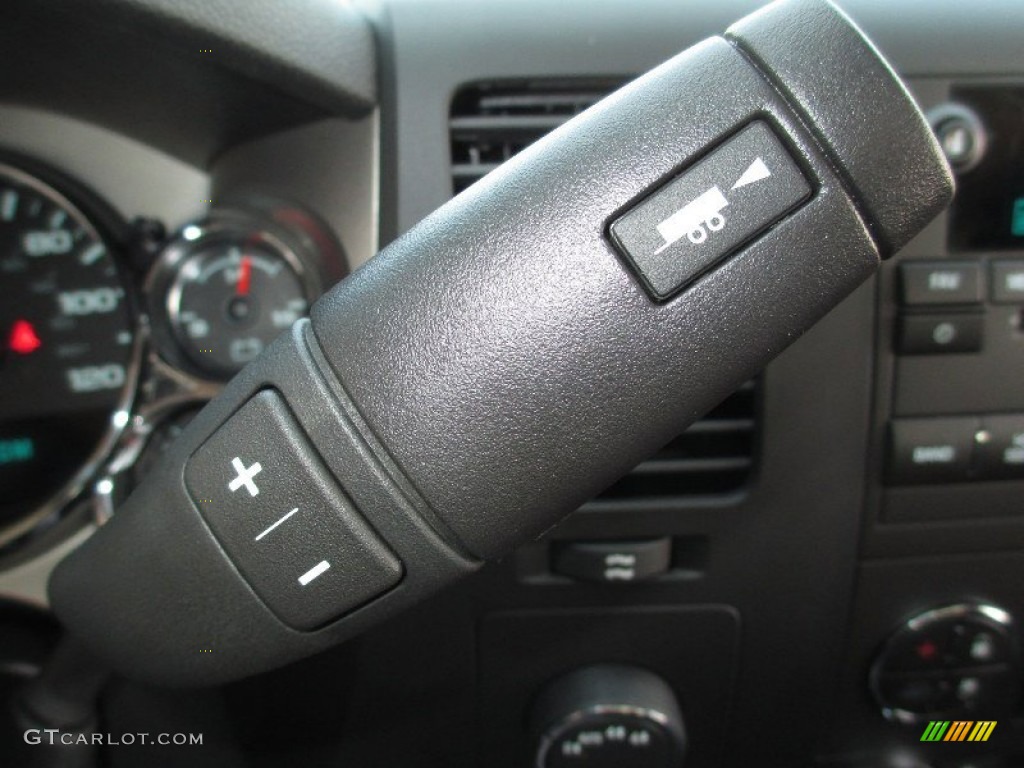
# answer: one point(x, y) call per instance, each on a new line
point(320, 50)
point(189, 78)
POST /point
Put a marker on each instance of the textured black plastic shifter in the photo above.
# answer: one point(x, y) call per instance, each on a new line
point(505, 360)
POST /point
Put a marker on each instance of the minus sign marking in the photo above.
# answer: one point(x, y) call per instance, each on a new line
point(313, 572)
point(274, 525)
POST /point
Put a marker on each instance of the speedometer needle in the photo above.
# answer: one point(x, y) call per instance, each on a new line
point(244, 276)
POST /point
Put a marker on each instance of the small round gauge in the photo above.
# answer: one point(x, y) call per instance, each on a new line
point(66, 360)
point(231, 296)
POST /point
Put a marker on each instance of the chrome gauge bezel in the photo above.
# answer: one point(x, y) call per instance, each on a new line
point(151, 414)
point(121, 414)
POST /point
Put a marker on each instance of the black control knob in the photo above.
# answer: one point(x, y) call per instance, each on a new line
point(961, 134)
point(609, 715)
point(957, 660)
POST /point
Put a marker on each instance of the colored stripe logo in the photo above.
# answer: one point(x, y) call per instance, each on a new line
point(958, 730)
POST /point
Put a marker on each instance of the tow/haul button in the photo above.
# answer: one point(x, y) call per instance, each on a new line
point(276, 511)
point(710, 210)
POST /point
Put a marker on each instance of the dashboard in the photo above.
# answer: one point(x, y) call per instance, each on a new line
point(816, 573)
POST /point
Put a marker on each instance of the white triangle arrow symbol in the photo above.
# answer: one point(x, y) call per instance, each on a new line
point(756, 172)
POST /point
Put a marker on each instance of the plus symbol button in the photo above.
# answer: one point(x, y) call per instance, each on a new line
point(245, 476)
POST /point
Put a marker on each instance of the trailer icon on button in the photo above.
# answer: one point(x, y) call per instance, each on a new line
point(710, 210)
point(705, 213)
point(691, 219)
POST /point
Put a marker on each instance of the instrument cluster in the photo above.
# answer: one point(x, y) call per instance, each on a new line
point(112, 334)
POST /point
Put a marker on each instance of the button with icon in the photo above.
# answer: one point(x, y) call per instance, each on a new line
point(936, 334)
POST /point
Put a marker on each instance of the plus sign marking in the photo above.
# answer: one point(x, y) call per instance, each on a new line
point(245, 476)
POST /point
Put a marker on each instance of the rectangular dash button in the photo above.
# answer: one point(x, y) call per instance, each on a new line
point(936, 282)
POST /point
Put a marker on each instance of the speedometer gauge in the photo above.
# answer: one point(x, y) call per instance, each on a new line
point(66, 330)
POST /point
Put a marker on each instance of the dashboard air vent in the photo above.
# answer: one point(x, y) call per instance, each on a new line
point(714, 456)
point(488, 124)
point(491, 122)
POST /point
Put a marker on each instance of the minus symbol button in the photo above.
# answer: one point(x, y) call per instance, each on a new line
point(314, 572)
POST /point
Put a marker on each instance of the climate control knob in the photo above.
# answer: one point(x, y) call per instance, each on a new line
point(609, 716)
point(954, 662)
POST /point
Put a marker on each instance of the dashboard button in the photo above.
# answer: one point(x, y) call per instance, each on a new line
point(710, 210)
point(924, 283)
point(1008, 282)
point(990, 688)
point(1001, 447)
point(940, 334)
point(613, 561)
point(978, 645)
point(297, 540)
point(931, 450)
point(929, 650)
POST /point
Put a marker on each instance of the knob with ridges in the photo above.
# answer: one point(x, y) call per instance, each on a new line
point(608, 715)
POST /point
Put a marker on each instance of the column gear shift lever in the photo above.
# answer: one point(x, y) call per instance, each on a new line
point(518, 350)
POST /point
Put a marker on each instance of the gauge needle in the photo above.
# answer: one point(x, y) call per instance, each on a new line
point(244, 276)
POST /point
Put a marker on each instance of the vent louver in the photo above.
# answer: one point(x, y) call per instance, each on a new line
point(491, 122)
